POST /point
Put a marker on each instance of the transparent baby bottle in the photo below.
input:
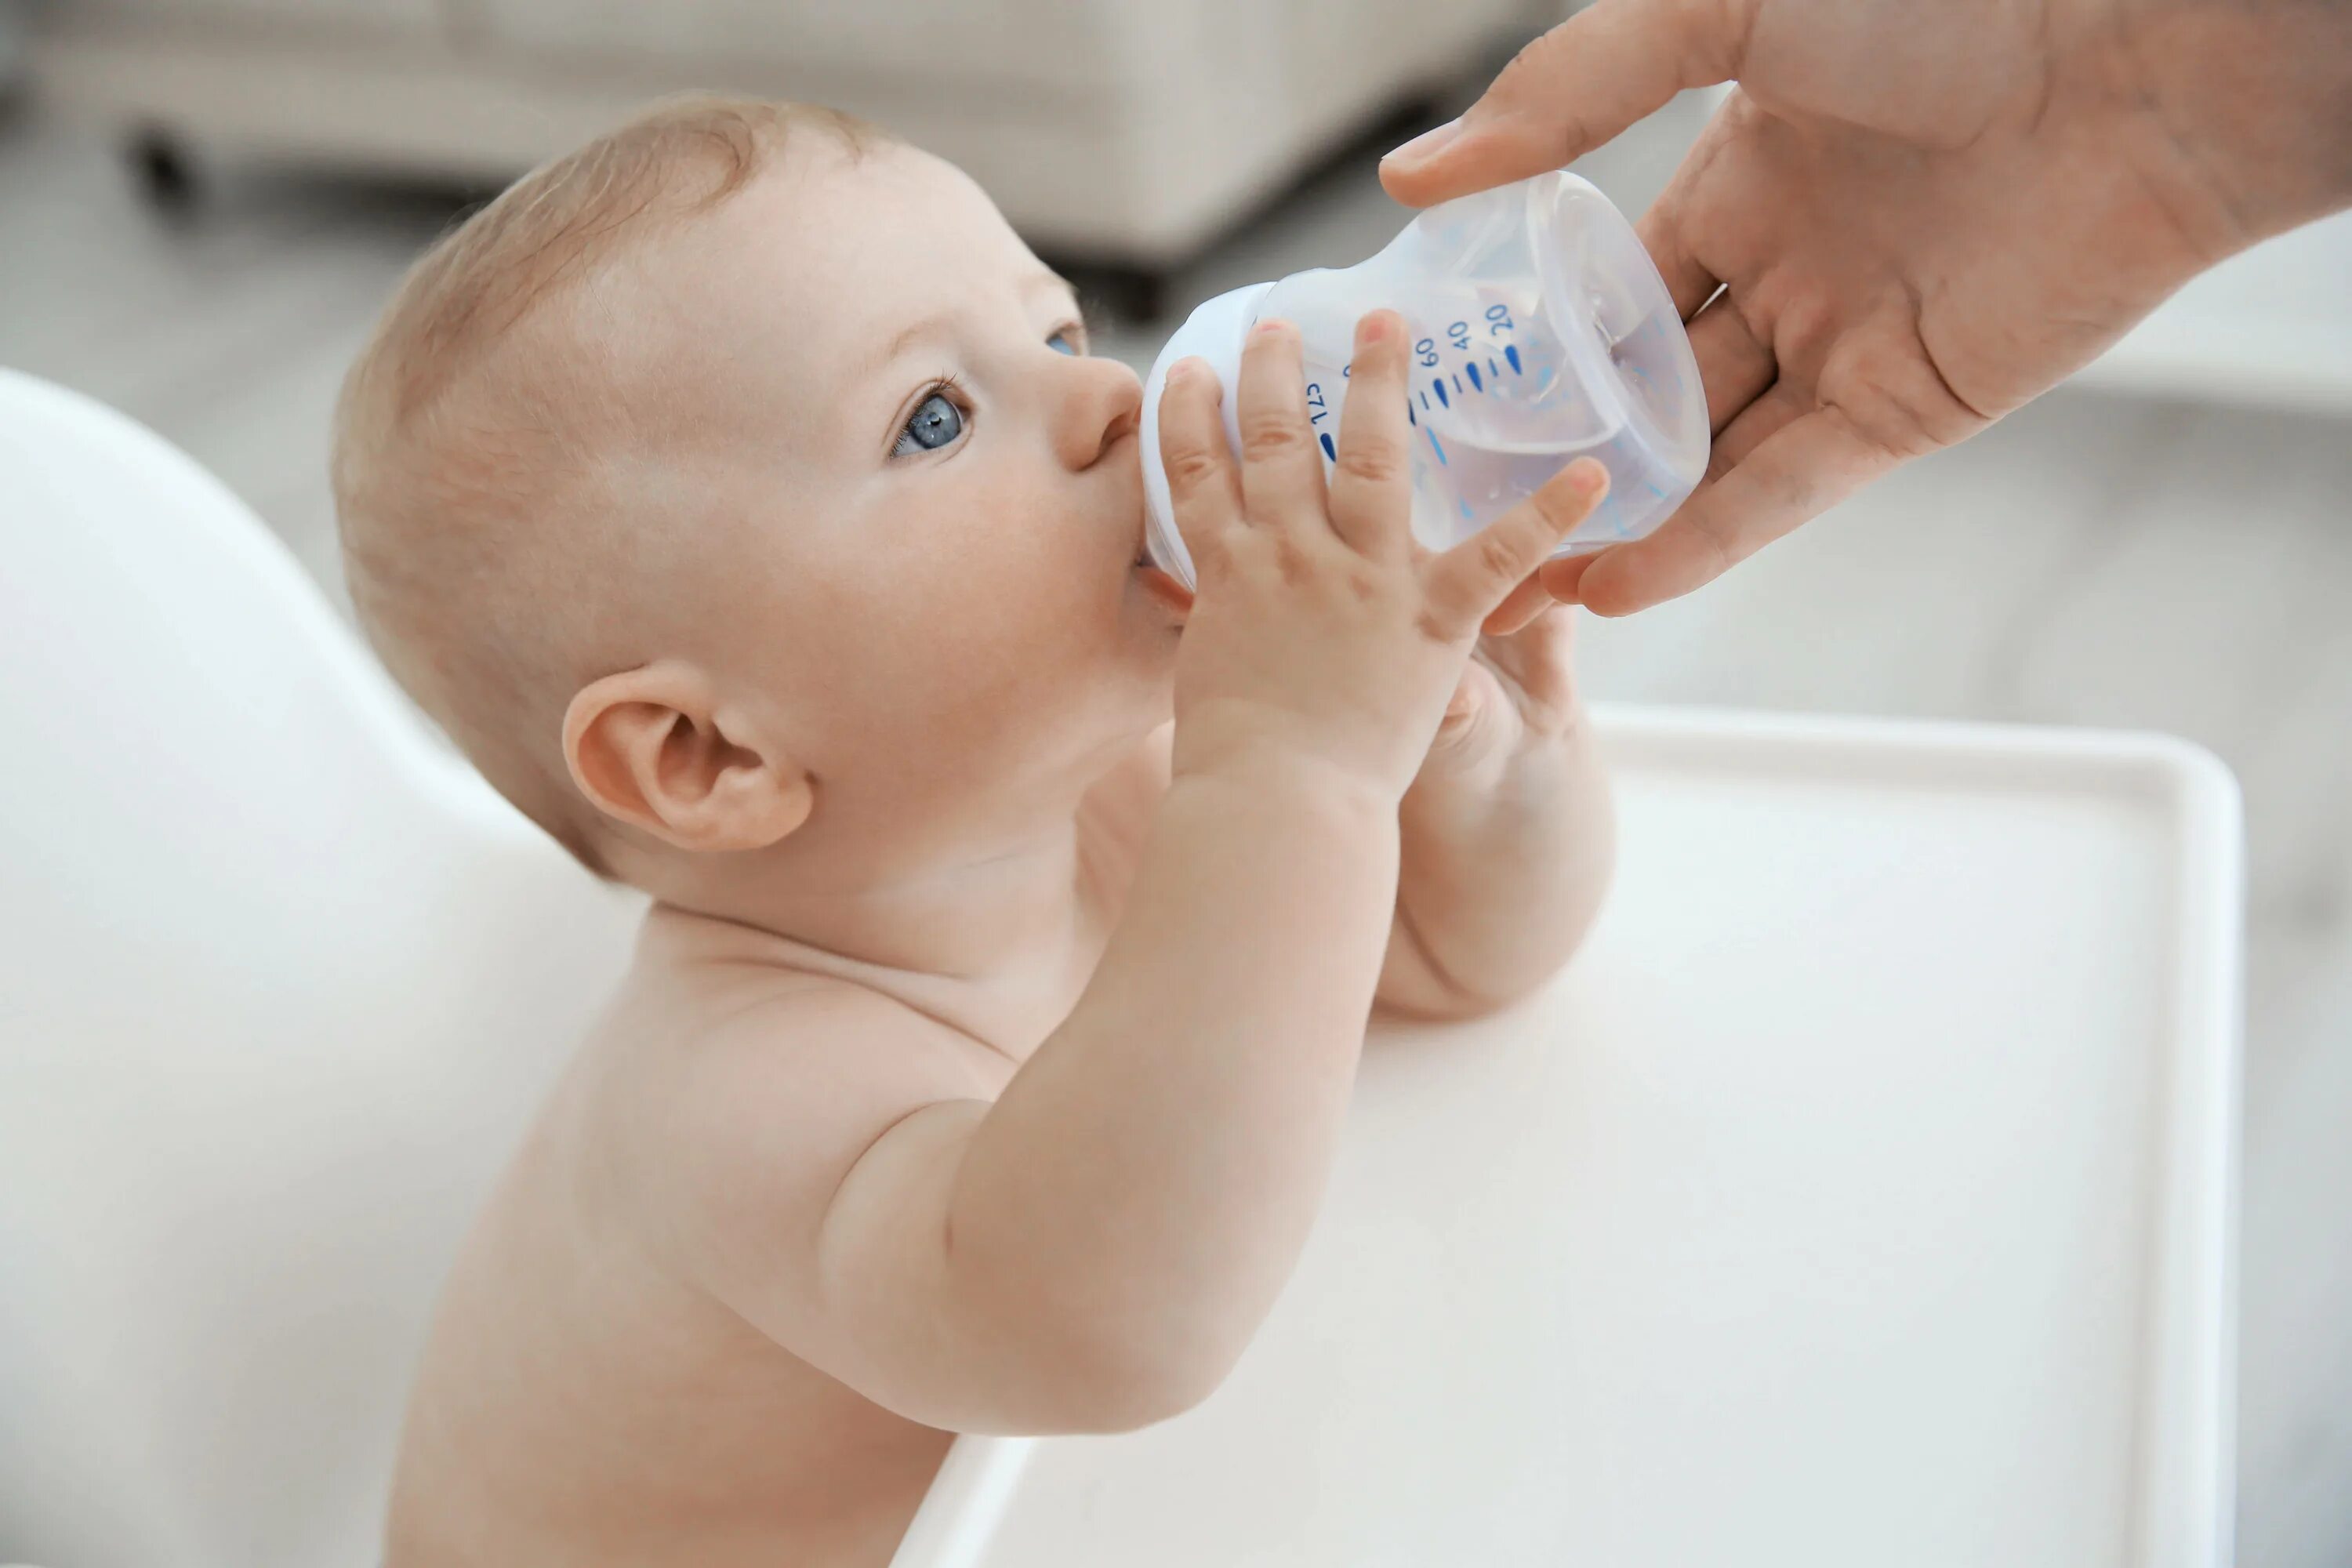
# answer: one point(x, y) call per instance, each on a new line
point(1541, 331)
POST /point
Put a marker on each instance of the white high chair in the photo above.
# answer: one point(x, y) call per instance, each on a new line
point(279, 981)
point(1863, 1196)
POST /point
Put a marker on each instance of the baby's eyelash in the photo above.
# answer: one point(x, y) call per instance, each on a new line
point(946, 384)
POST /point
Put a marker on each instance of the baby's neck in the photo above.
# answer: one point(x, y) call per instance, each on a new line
point(990, 940)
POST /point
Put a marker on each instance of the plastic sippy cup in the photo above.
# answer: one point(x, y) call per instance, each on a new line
point(1541, 331)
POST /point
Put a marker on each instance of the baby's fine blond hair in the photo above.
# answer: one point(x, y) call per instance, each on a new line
point(479, 560)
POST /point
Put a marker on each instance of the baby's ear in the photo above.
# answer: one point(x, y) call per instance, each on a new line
point(652, 748)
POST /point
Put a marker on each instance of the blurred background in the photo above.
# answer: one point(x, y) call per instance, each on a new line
point(203, 203)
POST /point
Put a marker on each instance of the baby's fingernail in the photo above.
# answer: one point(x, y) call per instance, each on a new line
point(1426, 145)
point(1587, 477)
point(1184, 368)
point(1272, 327)
point(1372, 329)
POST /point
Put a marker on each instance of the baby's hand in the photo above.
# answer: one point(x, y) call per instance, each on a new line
point(1518, 691)
point(1319, 631)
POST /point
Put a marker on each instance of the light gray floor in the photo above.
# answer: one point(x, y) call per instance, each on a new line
point(2094, 560)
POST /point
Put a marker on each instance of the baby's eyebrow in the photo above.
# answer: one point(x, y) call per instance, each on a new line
point(1045, 279)
point(907, 337)
point(1040, 280)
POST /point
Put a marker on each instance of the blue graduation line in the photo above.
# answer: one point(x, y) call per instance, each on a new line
point(1440, 446)
point(1511, 352)
point(1410, 416)
point(1457, 384)
point(1328, 450)
point(1440, 392)
point(1476, 384)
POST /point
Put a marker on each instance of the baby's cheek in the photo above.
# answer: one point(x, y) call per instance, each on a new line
point(1054, 563)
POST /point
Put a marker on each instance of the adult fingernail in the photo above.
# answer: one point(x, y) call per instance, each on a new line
point(1425, 146)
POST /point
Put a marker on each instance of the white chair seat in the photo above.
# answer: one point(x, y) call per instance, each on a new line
point(279, 981)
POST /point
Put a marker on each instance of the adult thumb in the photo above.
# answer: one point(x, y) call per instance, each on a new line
point(1571, 90)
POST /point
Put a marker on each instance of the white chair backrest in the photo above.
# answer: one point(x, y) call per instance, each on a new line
point(280, 981)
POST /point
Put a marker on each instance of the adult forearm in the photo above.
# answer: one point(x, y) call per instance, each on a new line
point(2254, 101)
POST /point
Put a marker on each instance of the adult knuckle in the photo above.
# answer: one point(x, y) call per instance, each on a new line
point(1532, 70)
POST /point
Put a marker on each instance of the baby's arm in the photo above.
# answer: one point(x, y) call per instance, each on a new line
point(1094, 1249)
point(1509, 836)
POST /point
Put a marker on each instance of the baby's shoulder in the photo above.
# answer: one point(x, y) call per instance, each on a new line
point(743, 1109)
point(808, 1049)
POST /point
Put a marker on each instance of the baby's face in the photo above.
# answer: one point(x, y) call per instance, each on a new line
point(909, 505)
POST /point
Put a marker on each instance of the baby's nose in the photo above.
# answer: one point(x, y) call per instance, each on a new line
point(1102, 407)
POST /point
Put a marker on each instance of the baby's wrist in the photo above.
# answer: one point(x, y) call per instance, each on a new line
point(1274, 765)
point(1511, 766)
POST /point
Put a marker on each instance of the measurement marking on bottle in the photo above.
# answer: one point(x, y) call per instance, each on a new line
point(1511, 352)
point(1476, 384)
point(1443, 401)
point(1410, 416)
point(1328, 450)
point(1439, 447)
point(1424, 402)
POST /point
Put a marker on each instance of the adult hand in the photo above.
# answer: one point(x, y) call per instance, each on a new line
point(1918, 215)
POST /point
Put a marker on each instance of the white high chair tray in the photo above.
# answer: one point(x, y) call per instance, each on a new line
point(1863, 1194)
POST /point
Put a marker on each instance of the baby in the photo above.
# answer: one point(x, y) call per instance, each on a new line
point(739, 494)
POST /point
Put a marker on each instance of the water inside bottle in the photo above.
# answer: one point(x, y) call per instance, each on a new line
point(1541, 334)
point(1497, 407)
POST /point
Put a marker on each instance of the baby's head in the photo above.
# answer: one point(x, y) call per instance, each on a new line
point(740, 485)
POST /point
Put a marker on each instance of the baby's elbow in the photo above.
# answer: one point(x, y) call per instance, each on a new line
point(1107, 1382)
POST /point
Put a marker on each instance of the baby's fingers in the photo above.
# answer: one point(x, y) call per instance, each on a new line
point(1470, 580)
point(1203, 491)
point(1371, 481)
point(1282, 467)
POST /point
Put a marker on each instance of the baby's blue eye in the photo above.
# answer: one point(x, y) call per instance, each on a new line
point(1064, 342)
point(937, 422)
